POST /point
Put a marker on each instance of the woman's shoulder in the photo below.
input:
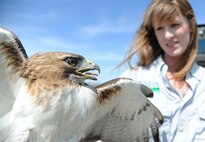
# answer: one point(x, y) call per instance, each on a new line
point(144, 72)
point(130, 72)
point(138, 72)
point(198, 71)
point(201, 73)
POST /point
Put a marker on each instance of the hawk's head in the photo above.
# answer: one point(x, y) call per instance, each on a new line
point(59, 65)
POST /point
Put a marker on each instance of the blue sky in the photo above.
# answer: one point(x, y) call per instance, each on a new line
point(101, 31)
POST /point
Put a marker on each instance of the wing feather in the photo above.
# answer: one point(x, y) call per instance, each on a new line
point(131, 116)
point(12, 55)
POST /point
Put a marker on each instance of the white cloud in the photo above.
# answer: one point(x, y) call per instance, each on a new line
point(122, 25)
point(46, 44)
point(57, 43)
point(111, 57)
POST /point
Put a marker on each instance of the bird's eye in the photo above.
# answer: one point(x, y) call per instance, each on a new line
point(71, 61)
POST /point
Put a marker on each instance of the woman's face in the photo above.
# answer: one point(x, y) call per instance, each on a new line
point(174, 36)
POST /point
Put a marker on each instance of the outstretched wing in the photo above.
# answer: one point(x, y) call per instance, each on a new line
point(131, 116)
point(12, 55)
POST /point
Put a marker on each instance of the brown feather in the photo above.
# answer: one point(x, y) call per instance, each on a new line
point(14, 61)
point(106, 92)
point(44, 73)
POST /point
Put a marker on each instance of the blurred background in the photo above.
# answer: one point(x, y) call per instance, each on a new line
point(100, 30)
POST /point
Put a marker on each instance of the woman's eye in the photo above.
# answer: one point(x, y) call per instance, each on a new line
point(174, 25)
point(71, 61)
point(158, 28)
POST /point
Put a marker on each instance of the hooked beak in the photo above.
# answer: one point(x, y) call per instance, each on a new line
point(88, 66)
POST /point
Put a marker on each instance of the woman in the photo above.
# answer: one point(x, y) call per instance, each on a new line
point(166, 45)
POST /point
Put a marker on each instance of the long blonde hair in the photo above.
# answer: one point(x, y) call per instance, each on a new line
point(145, 44)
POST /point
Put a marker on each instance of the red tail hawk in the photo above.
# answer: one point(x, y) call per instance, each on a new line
point(44, 99)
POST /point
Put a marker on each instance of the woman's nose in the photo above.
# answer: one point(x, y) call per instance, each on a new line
point(169, 34)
